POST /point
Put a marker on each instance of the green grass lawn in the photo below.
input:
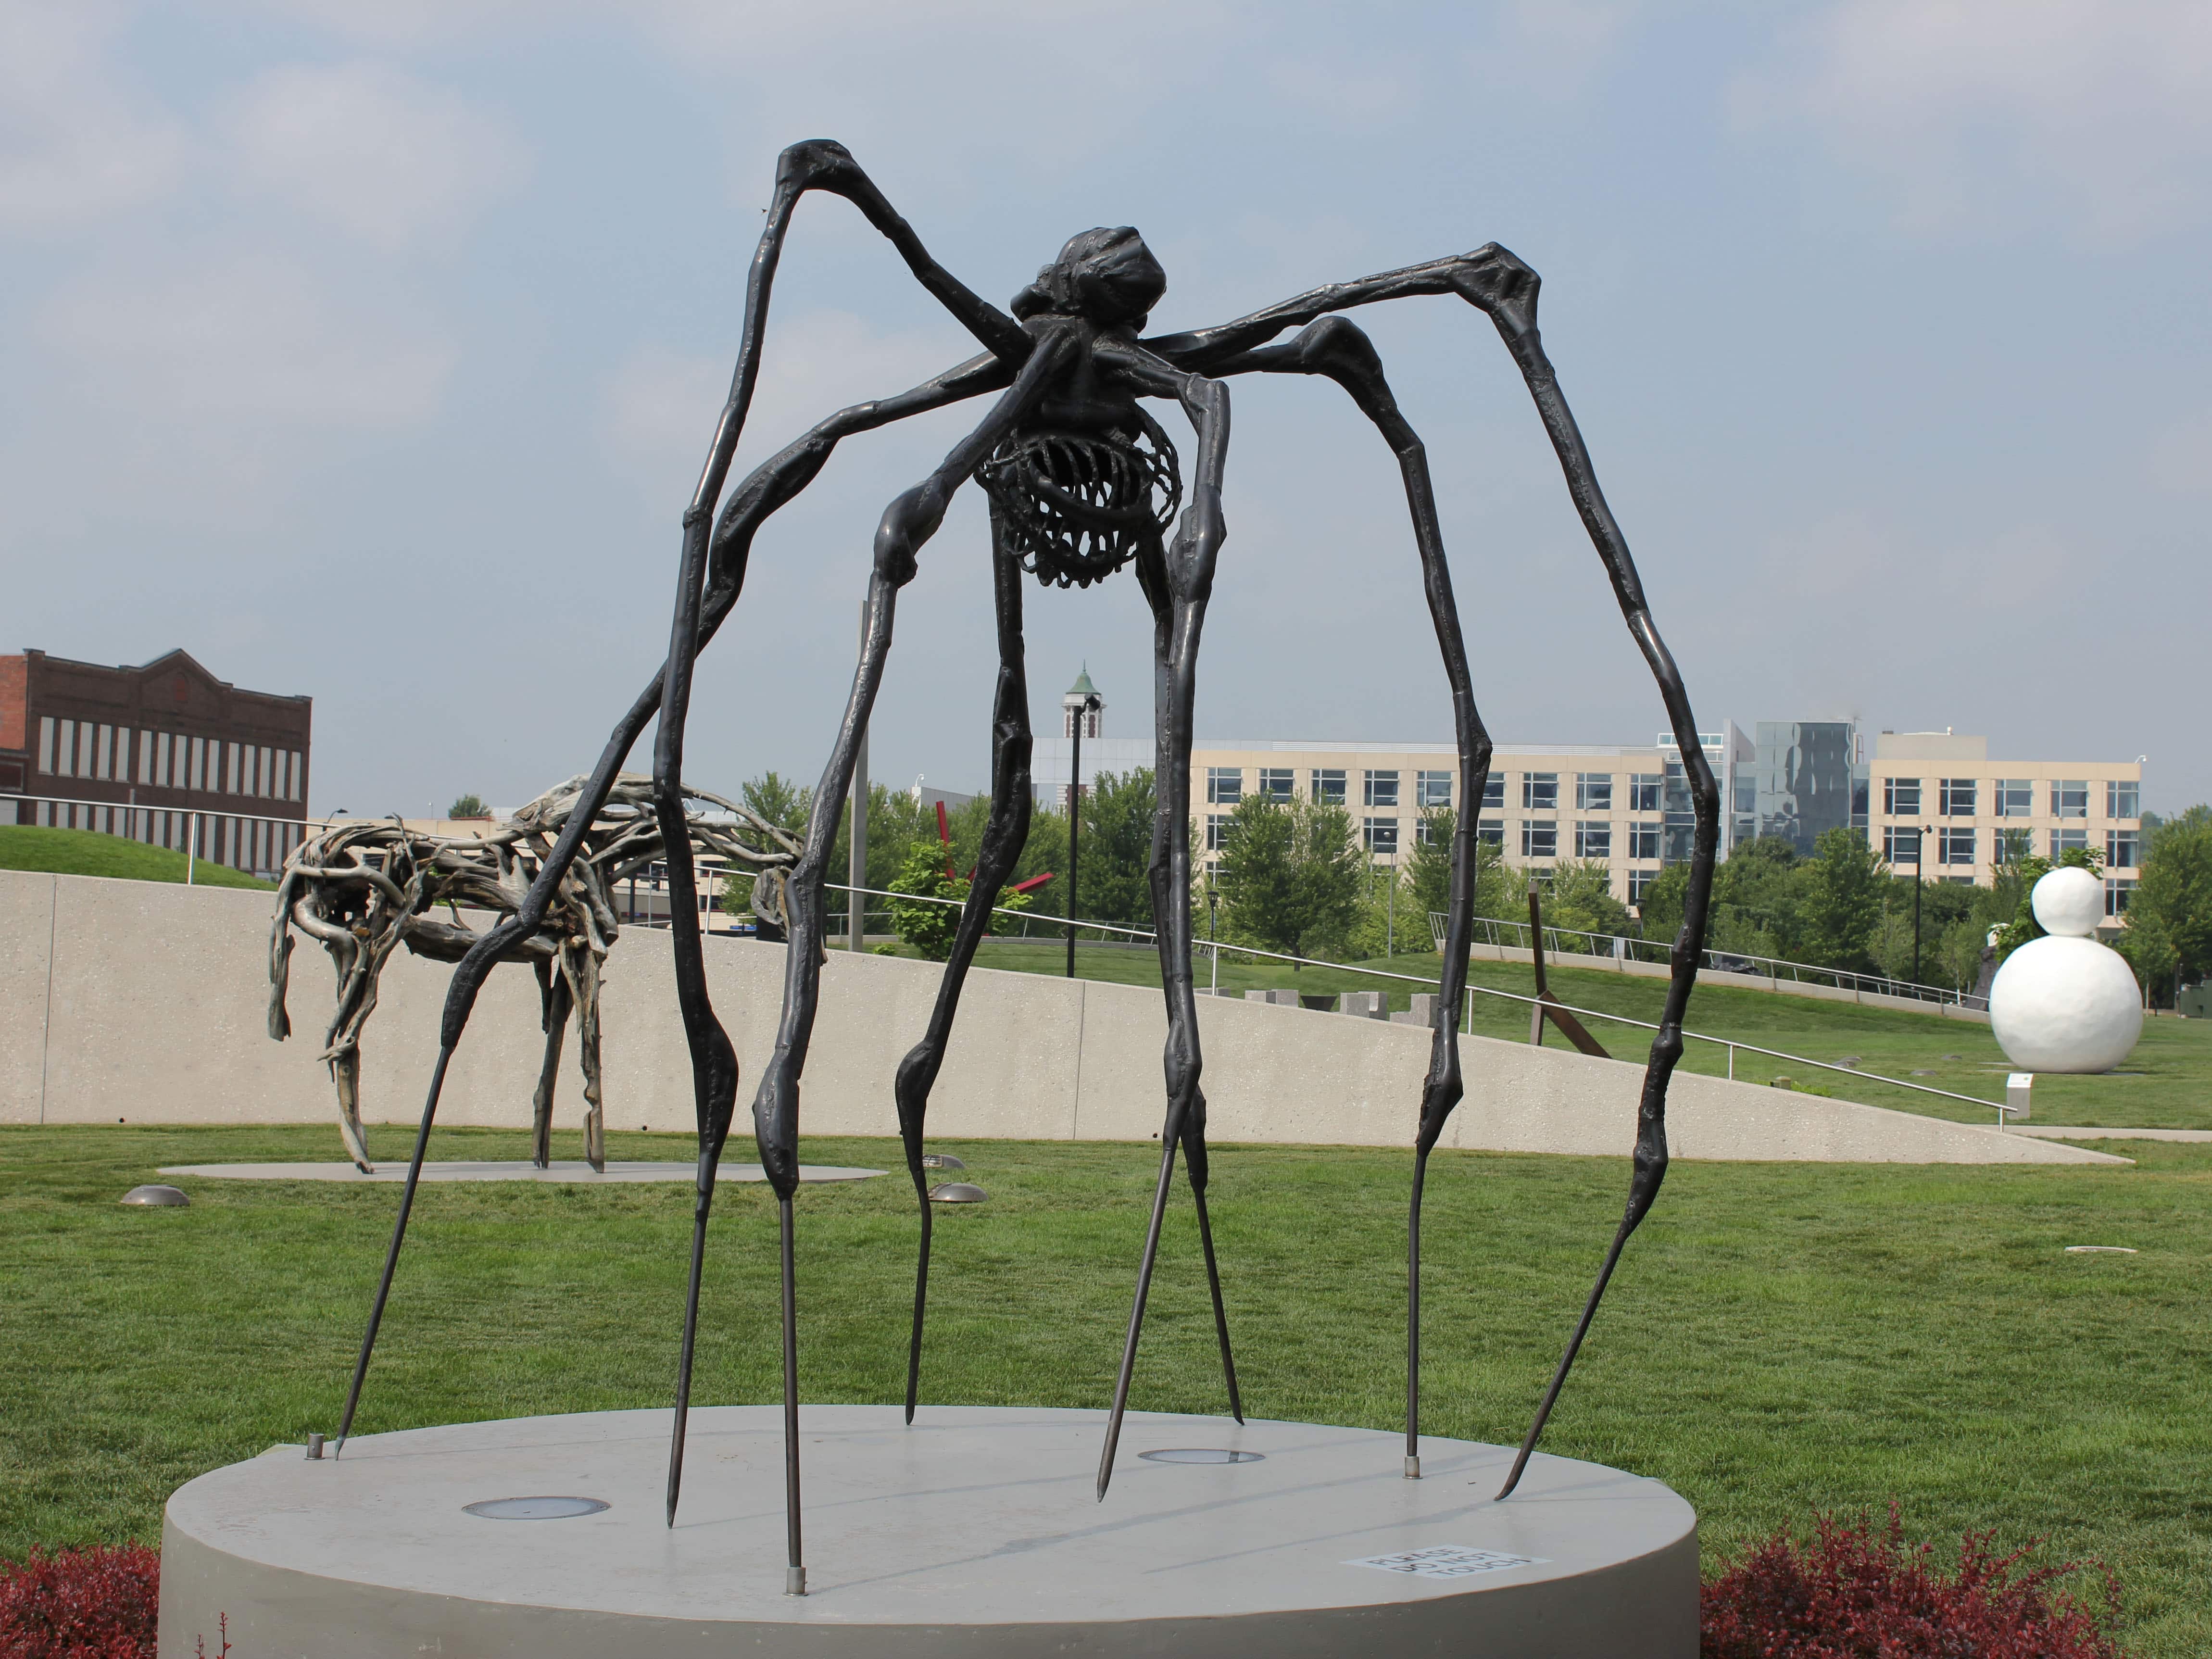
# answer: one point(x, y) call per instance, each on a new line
point(88, 852)
point(1781, 1337)
point(2166, 1083)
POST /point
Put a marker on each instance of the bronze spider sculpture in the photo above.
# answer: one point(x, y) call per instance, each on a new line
point(364, 888)
point(1081, 481)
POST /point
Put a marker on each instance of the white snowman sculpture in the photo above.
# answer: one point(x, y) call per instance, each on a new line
point(2065, 1003)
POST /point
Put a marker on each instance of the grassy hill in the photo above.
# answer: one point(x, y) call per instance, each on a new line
point(2166, 1083)
point(88, 852)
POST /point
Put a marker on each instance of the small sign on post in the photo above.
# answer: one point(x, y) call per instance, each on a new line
point(2017, 1086)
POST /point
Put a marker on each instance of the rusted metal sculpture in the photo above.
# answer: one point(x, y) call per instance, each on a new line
point(1081, 481)
point(363, 889)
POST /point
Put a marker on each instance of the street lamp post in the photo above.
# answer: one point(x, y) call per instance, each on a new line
point(1919, 852)
point(1090, 705)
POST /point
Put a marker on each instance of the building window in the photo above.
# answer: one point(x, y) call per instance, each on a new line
point(1381, 836)
point(1955, 847)
point(265, 781)
point(1955, 798)
point(2122, 849)
point(1493, 791)
point(1539, 840)
point(1428, 830)
point(1643, 840)
point(1644, 791)
point(1224, 785)
point(2070, 798)
point(1276, 782)
point(2119, 890)
point(103, 752)
point(198, 774)
point(1540, 791)
point(163, 775)
point(1329, 786)
point(1639, 883)
point(2068, 841)
point(1900, 797)
point(1381, 789)
point(2123, 799)
point(45, 743)
point(1593, 791)
point(1491, 832)
point(2013, 798)
point(1216, 831)
point(1899, 845)
point(1594, 839)
point(1432, 789)
point(65, 754)
point(298, 769)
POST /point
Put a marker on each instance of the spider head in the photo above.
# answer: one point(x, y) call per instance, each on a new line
point(1107, 277)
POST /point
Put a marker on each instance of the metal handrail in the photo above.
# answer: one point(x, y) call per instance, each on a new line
point(1473, 991)
point(1625, 947)
point(197, 815)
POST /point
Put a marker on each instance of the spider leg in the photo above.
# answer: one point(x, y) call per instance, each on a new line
point(1178, 582)
point(1501, 285)
point(553, 999)
point(1004, 836)
point(1339, 350)
point(908, 524)
point(770, 487)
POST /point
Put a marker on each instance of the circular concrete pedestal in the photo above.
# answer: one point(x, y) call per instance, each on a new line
point(975, 1533)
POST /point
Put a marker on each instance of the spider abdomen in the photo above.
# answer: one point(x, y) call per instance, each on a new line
point(1078, 505)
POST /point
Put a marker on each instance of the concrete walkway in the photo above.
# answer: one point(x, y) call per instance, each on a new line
point(579, 1172)
point(2053, 1132)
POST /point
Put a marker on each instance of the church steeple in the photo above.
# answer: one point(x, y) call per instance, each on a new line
point(1083, 702)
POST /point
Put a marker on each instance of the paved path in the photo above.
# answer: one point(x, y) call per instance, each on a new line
point(2054, 1132)
point(579, 1172)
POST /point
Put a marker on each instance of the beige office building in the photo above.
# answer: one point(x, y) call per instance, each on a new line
point(1939, 803)
point(1628, 807)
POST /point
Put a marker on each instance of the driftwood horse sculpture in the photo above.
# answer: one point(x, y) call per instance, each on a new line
point(363, 889)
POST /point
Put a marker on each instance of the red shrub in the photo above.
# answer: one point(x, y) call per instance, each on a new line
point(98, 1603)
point(1855, 1593)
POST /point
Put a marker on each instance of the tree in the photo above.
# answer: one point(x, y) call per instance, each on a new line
point(929, 929)
point(469, 807)
point(1840, 905)
point(782, 803)
point(1118, 811)
point(2169, 931)
point(1291, 879)
point(1428, 871)
point(1580, 896)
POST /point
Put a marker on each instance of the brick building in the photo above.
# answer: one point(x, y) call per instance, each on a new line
point(156, 753)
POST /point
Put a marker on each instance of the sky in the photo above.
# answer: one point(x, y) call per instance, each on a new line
point(372, 352)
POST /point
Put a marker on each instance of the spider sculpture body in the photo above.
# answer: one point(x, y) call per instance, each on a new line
point(1081, 481)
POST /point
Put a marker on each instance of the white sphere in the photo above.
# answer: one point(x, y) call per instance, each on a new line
point(2069, 902)
point(2062, 1004)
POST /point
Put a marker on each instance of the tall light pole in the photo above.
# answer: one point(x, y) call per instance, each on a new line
point(1919, 852)
point(856, 863)
point(1090, 704)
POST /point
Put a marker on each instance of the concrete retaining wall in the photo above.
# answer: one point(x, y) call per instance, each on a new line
point(146, 1002)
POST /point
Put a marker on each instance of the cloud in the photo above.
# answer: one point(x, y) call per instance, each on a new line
point(1985, 114)
point(239, 336)
point(660, 406)
point(384, 157)
point(2181, 460)
point(75, 147)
